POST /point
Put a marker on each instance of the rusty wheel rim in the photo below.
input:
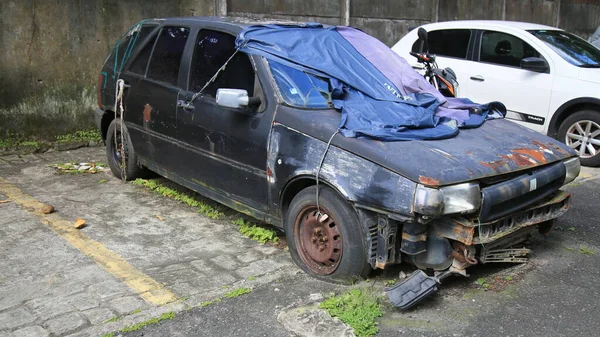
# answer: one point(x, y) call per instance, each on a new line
point(318, 240)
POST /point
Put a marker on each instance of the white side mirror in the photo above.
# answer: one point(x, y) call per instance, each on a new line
point(232, 98)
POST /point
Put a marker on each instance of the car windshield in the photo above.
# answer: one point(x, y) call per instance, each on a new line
point(573, 49)
point(301, 89)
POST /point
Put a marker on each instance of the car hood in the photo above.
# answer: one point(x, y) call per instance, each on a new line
point(590, 75)
point(497, 147)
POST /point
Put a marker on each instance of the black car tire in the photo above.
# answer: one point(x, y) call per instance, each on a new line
point(582, 118)
point(306, 235)
point(132, 168)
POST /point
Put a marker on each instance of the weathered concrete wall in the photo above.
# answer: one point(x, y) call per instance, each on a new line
point(51, 50)
point(389, 20)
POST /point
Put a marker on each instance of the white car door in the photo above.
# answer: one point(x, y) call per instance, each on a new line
point(497, 76)
point(450, 47)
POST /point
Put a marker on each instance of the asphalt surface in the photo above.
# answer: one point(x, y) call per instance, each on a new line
point(51, 285)
point(554, 294)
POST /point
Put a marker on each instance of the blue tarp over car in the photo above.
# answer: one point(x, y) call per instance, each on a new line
point(379, 94)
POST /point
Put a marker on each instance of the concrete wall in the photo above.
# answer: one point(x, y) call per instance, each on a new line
point(51, 50)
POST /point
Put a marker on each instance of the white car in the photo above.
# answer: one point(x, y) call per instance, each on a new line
point(548, 79)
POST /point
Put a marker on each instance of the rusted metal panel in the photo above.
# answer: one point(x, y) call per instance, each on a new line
point(357, 179)
point(452, 229)
point(428, 181)
point(473, 154)
point(470, 232)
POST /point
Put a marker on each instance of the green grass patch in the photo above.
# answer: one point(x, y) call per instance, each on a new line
point(206, 304)
point(482, 282)
point(390, 283)
point(113, 319)
point(80, 136)
point(586, 250)
point(357, 308)
point(112, 334)
point(251, 278)
point(256, 232)
point(163, 317)
point(43, 113)
point(237, 292)
point(188, 199)
point(14, 141)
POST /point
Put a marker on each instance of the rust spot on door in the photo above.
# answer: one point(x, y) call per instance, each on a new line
point(147, 112)
point(428, 181)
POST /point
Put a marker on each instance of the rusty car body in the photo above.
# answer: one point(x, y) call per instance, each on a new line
point(442, 205)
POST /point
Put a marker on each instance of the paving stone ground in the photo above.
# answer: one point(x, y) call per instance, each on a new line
point(50, 288)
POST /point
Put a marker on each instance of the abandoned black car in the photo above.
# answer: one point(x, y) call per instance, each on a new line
point(329, 135)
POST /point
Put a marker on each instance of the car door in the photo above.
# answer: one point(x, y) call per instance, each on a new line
point(226, 149)
point(152, 98)
point(139, 44)
point(451, 48)
point(497, 76)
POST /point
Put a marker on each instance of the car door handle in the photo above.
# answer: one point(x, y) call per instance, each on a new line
point(478, 78)
point(185, 105)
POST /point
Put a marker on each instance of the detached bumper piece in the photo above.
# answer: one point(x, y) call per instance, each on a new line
point(412, 290)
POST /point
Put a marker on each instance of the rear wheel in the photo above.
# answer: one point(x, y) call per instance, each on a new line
point(118, 149)
point(581, 132)
point(329, 245)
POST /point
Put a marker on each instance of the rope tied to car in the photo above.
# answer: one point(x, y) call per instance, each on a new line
point(319, 214)
point(214, 77)
point(119, 112)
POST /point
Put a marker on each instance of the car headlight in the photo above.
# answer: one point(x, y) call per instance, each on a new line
point(462, 198)
point(573, 167)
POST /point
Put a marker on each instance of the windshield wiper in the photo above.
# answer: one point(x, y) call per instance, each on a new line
point(597, 65)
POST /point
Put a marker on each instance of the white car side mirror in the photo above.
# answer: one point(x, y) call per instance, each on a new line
point(232, 98)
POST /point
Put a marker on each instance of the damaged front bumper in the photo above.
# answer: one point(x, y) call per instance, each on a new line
point(451, 245)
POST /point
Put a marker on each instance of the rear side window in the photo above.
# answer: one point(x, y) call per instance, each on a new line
point(212, 50)
point(504, 49)
point(166, 58)
point(127, 44)
point(140, 63)
point(448, 42)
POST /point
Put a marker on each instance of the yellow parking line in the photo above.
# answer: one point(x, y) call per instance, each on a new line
point(150, 290)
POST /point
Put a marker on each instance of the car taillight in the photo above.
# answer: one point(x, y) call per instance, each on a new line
point(100, 84)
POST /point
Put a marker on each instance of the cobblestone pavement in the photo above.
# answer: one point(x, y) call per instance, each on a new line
point(57, 281)
point(48, 287)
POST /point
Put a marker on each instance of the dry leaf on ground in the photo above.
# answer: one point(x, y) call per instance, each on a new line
point(79, 223)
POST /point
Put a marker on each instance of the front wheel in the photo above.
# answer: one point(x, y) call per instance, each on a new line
point(581, 132)
point(119, 149)
point(329, 245)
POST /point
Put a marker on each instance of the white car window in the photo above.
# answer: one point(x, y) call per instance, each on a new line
point(504, 49)
point(448, 42)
